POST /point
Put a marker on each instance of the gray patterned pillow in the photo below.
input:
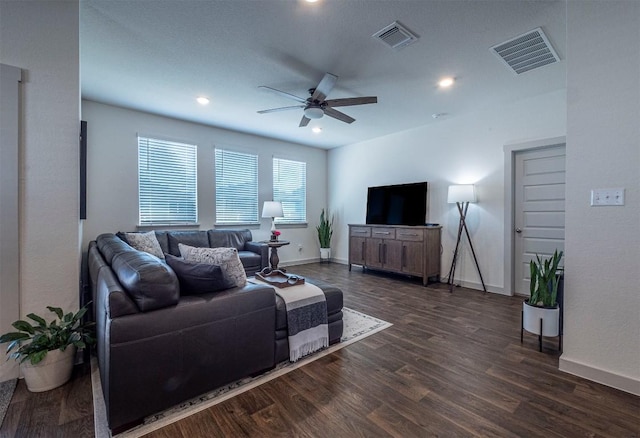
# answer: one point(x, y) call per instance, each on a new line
point(147, 242)
point(226, 258)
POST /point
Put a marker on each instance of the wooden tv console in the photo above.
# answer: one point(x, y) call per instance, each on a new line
point(397, 248)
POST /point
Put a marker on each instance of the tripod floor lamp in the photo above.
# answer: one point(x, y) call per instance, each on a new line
point(462, 195)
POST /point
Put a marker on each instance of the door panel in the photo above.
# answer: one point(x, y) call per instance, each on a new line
point(373, 257)
point(543, 219)
point(357, 251)
point(539, 188)
point(392, 257)
point(412, 258)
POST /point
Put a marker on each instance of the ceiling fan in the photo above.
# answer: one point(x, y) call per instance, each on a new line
point(315, 106)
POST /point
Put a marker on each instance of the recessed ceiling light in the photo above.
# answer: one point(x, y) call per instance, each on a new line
point(202, 100)
point(316, 130)
point(446, 82)
point(311, 1)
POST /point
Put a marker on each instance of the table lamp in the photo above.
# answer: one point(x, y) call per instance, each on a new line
point(272, 209)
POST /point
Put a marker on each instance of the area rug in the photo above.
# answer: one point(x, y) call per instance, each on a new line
point(357, 326)
point(6, 392)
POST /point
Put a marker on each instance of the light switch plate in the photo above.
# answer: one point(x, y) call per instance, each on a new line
point(603, 197)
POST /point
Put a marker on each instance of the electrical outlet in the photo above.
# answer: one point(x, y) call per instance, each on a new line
point(600, 197)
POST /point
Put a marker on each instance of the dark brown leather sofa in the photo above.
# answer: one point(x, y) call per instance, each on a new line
point(253, 255)
point(157, 348)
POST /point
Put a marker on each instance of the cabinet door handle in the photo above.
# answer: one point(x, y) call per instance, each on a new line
point(386, 233)
point(384, 253)
point(404, 256)
point(379, 252)
point(359, 231)
point(363, 250)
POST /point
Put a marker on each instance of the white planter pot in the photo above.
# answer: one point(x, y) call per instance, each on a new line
point(550, 320)
point(53, 371)
point(325, 254)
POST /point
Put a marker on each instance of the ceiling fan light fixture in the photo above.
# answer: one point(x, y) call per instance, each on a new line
point(313, 112)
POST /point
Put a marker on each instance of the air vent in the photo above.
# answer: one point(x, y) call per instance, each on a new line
point(396, 36)
point(526, 52)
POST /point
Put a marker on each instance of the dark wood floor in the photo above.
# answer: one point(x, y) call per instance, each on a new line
point(452, 365)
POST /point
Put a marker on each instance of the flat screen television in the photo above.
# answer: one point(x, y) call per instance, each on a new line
point(401, 204)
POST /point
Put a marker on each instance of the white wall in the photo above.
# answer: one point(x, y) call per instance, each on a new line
point(465, 149)
point(10, 78)
point(112, 160)
point(602, 279)
point(42, 38)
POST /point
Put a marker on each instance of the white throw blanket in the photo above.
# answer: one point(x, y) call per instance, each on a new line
point(306, 319)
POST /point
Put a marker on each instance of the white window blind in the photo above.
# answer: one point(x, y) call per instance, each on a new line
point(167, 182)
point(290, 188)
point(236, 187)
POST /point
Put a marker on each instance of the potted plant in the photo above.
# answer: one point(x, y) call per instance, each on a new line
point(541, 309)
point(46, 351)
point(325, 231)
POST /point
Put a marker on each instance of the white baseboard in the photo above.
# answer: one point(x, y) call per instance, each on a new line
point(300, 262)
point(478, 286)
point(623, 383)
point(311, 260)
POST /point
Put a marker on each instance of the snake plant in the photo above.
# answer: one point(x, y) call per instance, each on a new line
point(544, 281)
point(325, 230)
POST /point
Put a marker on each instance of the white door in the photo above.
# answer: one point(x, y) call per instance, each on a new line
point(539, 209)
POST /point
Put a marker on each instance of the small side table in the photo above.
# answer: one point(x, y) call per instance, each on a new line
point(274, 245)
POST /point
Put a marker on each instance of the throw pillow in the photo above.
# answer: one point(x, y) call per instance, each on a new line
point(197, 278)
point(227, 258)
point(146, 242)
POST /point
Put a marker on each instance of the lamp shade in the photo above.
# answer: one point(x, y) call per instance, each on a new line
point(461, 193)
point(272, 209)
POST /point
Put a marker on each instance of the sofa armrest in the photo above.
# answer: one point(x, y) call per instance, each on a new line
point(262, 249)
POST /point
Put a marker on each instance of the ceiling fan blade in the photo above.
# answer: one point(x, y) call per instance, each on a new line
point(352, 101)
point(284, 108)
point(284, 94)
point(338, 115)
point(324, 87)
point(304, 122)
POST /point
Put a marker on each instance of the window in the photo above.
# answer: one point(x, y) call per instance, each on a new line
point(167, 182)
point(236, 187)
point(290, 188)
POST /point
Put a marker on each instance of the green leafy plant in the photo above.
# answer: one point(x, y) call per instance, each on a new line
point(33, 341)
point(325, 230)
point(544, 280)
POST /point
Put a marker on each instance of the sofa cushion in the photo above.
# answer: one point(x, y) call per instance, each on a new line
point(250, 260)
point(109, 246)
point(227, 258)
point(229, 238)
point(150, 282)
point(147, 242)
point(197, 278)
point(191, 238)
point(163, 240)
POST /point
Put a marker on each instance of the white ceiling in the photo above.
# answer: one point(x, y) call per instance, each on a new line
point(158, 56)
